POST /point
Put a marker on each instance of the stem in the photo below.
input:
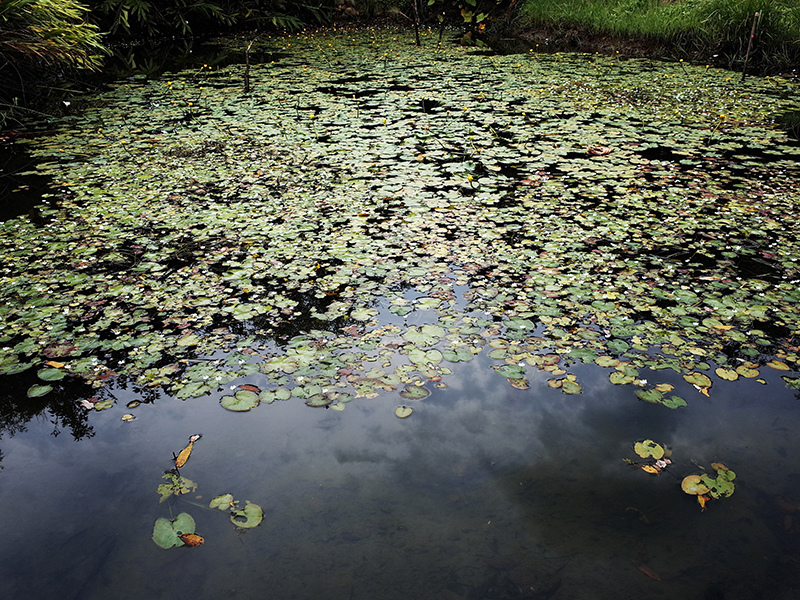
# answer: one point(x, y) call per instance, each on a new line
point(750, 43)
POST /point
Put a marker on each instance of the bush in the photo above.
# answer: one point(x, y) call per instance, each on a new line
point(36, 33)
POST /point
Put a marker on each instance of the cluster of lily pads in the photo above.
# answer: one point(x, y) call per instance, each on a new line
point(181, 531)
point(343, 231)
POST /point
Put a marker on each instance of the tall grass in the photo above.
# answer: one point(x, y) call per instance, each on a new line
point(713, 26)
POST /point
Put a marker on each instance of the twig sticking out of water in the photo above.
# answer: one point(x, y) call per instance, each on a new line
point(756, 20)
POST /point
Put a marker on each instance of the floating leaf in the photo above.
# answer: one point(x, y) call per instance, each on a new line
point(727, 374)
point(673, 402)
point(241, 401)
point(607, 361)
point(778, 365)
point(571, 387)
point(403, 411)
point(184, 454)
point(251, 513)
point(652, 396)
point(39, 390)
point(427, 335)
point(415, 392)
point(649, 449)
point(698, 379)
point(746, 371)
point(511, 371)
point(191, 539)
point(222, 502)
point(168, 533)
point(459, 354)
point(693, 485)
point(51, 374)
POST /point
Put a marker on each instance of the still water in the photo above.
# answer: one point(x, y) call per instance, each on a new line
point(563, 190)
point(484, 492)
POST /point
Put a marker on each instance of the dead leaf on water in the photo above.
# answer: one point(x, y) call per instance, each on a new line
point(184, 454)
point(191, 539)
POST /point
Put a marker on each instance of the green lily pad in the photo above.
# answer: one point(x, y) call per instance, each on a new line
point(251, 513)
point(51, 374)
point(36, 391)
point(167, 533)
point(222, 502)
point(652, 396)
point(649, 449)
point(727, 374)
point(415, 392)
point(459, 354)
point(241, 401)
point(427, 335)
point(403, 411)
point(511, 371)
point(699, 379)
point(722, 485)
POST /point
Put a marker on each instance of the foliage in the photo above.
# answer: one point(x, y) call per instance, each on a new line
point(48, 33)
point(137, 17)
point(344, 234)
point(722, 26)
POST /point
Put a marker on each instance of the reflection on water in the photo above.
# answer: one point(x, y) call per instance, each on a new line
point(485, 492)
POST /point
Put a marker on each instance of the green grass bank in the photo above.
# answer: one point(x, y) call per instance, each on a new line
point(707, 29)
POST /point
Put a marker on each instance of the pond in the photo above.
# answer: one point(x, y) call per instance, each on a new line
point(405, 322)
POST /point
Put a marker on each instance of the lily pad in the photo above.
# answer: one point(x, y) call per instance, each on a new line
point(699, 379)
point(39, 390)
point(649, 449)
point(167, 533)
point(415, 392)
point(403, 411)
point(241, 401)
point(51, 374)
point(251, 513)
point(693, 485)
point(222, 502)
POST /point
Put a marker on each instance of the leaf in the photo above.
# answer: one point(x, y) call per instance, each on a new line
point(571, 387)
point(778, 365)
point(652, 396)
point(673, 402)
point(242, 401)
point(184, 455)
point(51, 374)
point(222, 502)
point(606, 361)
point(698, 379)
point(649, 449)
point(36, 391)
point(511, 371)
point(191, 539)
point(427, 335)
point(167, 533)
point(459, 354)
point(403, 411)
point(415, 392)
point(746, 371)
point(727, 374)
point(650, 469)
point(251, 513)
point(693, 485)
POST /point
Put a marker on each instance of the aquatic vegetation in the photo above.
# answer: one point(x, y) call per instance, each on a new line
point(341, 231)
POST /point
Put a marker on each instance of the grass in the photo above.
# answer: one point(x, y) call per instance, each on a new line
point(719, 27)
